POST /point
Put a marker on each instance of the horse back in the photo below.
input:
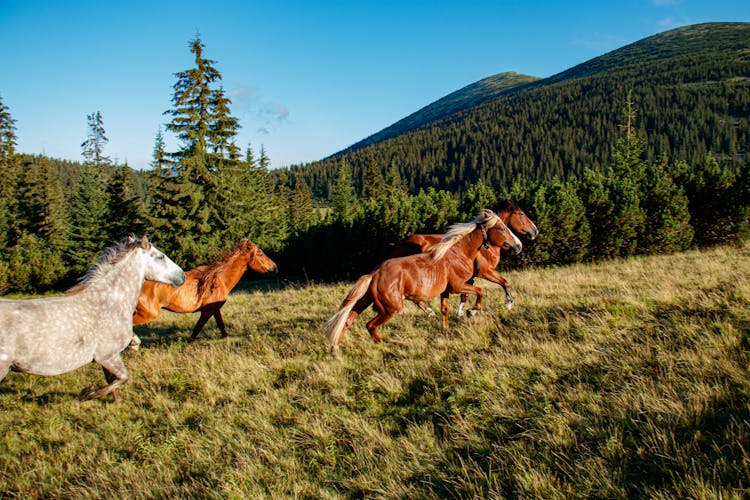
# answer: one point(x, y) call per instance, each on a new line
point(414, 244)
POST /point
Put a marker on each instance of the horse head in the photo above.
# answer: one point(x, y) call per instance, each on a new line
point(159, 267)
point(259, 261)
point(499, 235)
point(515, 218)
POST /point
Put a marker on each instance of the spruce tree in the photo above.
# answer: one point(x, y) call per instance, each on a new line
point(93, 146)
point(372, 185)
point(8, 174)
point(343, 197)
point(126, 210)
point(223, 127)
point(566, 234)
point(187, 201)
point(667, 228)
point(479, 195)
point(87, 234)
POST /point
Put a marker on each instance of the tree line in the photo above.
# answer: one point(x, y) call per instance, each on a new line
point(198, 201)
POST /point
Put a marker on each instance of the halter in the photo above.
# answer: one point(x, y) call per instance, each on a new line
point(485, 238)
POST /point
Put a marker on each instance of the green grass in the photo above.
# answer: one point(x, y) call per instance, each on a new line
point(616, 380)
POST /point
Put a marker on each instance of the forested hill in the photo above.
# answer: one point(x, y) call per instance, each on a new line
point(472, 95)
point(690, 88)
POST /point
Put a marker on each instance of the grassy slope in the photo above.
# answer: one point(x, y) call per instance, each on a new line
point(628, 378)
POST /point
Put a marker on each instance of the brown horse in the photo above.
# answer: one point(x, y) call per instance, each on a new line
point(205, 289)
point(444, 270)
point(487, 259)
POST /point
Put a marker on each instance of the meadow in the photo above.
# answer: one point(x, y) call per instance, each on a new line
point(621, 379)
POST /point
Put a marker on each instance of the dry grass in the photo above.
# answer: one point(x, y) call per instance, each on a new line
point(622, 379)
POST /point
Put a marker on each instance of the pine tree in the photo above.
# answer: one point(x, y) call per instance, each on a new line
point(187, 200)
point(223, 128)
point(126, 210)
point(372, 185)
point(93, 146)
point(393, 179)
point(566, 234)
point(301, 212)
point(192, 103)
point(8, 174)
point(343, 197)
point(35, 252)
point(87, 233)
point(667, 228)
point(479, 195)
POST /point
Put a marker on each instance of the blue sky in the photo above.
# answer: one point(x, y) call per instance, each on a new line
point(307, 79)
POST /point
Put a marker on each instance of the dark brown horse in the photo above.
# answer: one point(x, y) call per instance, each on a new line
point(205, 289)
point(444, 270)
point(487, 259)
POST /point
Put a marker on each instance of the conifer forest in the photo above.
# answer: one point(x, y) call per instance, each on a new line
point(641, 151)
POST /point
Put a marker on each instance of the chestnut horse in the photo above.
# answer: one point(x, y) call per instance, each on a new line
point(205, 289)
point(444, 270)
point(487, 259)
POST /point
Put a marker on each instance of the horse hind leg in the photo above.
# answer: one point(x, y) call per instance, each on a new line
point(115, 373)
point(387, 307)
point(220, 323)
point(205, 316)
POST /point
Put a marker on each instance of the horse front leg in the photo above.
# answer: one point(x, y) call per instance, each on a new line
point(495, 277)
point(468, 289)
point(205, 316)
point(462, 304)
point(425, 308)
point(116, 375)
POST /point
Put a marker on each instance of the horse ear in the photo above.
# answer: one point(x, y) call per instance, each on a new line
point(144, 243)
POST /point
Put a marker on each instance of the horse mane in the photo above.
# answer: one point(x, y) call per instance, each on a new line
point(109, 257)
point(506, 205)
point(209, 272)
point(459, 230)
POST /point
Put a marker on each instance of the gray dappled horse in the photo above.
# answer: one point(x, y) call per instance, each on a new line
point(93, 321)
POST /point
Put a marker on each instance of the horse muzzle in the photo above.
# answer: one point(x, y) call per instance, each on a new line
point(178, 279)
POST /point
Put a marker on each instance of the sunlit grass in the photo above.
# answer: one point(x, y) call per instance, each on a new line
point(621, 379)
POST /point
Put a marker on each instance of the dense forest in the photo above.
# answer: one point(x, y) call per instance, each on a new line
point(690, 88)
point(614, 159)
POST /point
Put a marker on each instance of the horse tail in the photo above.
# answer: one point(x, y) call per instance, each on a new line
point(337, 323)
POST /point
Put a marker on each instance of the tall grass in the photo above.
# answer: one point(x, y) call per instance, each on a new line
point(616, 380)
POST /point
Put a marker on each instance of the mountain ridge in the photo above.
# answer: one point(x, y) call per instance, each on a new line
point(690, 85)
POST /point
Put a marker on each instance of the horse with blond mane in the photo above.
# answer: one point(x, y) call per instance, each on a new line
point(444, 270)
point(487, 258)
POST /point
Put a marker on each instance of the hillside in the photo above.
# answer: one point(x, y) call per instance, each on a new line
point(472, 95)
point(625, 379)
point(690, 88)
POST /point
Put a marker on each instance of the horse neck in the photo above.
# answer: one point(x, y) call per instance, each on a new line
point(235, 267)
point(121, 284)
point(470, 245)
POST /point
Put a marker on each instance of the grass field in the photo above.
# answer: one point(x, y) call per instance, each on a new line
point(622, 379)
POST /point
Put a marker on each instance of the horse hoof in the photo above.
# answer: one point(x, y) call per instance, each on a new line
point(86, 394)
point(473, 312)
point(509, 305)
